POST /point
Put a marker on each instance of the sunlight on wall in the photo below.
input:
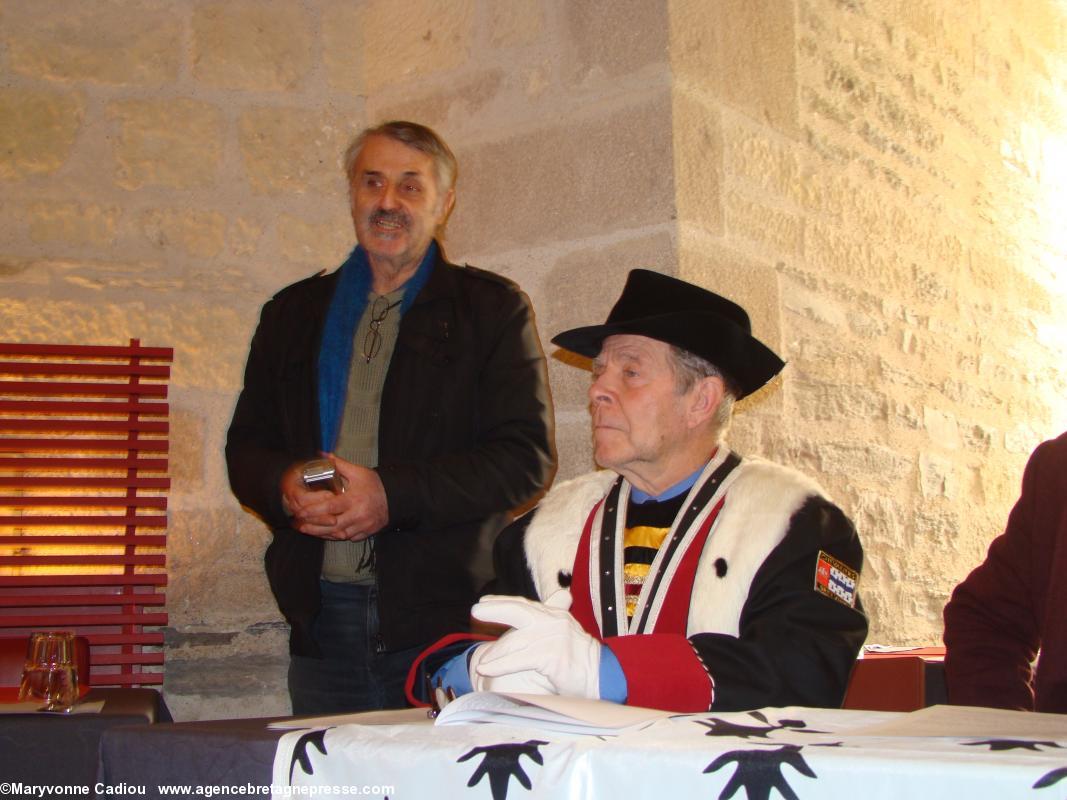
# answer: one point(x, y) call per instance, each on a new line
point(1050, 203)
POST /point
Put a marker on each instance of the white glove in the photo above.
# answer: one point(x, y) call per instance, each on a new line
point(525, 682)
point(545, 640)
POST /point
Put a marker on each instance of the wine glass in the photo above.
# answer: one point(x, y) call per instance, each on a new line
point(49, 674)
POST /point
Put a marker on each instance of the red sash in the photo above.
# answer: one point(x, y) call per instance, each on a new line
point(674, 613)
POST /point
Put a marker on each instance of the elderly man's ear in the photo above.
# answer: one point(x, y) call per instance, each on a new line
point(704, 399)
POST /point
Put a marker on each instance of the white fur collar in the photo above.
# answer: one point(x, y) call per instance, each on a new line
point(761, 498)
point(552, 536)
point(754, 519)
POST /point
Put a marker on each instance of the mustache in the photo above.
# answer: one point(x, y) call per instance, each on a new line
point(394, 217)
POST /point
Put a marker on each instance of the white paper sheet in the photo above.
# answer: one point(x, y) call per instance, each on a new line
point(549, 712)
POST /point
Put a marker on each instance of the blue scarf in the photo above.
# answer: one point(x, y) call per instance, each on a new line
point(346, 309)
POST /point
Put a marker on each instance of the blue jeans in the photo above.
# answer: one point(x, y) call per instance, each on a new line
point(352, 675)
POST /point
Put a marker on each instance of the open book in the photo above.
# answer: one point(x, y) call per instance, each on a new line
point(550, 713)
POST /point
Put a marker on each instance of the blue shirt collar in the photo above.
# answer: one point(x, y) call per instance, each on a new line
point(684, 485)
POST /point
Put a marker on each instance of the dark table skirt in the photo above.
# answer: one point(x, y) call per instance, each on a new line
point(63, 750)
point(216, 753)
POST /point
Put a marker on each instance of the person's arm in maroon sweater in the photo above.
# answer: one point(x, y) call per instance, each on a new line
point(992, 622)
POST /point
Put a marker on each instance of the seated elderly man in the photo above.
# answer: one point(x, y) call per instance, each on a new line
point(681, 576)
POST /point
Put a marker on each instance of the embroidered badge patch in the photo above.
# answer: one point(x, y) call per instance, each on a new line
point(836, 580)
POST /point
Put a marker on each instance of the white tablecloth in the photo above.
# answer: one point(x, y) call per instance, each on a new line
point(774, 752)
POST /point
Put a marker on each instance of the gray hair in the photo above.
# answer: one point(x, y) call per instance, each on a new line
point(690, 368)
point(413, 135)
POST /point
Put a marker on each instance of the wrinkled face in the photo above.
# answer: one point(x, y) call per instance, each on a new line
point(639, 416)
point(396, 204)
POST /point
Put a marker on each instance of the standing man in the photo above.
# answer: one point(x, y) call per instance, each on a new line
point(681, 576)
point(424, 385)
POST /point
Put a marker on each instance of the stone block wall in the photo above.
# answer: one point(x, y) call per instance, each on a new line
point(889, 207)
point(876, 181)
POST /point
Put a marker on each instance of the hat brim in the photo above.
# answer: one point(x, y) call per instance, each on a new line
point(743, 358)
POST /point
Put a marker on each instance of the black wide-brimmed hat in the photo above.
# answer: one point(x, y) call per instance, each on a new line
point(687, 316)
